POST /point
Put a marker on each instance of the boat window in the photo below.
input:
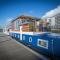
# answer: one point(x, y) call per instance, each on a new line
point(30, 39)
point(42, 43)
point(23, 37)
point(18, 36)
point(11, 34)
point(15, 35)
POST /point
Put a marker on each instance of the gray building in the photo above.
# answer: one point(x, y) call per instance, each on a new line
point(54, 21)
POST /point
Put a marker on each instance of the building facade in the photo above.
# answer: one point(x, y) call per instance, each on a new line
point(54, 21)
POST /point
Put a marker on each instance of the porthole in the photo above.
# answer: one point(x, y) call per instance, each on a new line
point(18, 36)
point(23, 37)
point(11, 34)
point(15, 35)
point(30, 39)
point(42, 43)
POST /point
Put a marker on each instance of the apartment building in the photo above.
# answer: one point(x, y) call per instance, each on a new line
point(53, 22)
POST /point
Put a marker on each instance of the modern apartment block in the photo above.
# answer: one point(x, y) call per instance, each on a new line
point(53, 22)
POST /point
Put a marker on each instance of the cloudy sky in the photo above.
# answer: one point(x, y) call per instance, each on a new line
point(10, 9)
point(52, 12)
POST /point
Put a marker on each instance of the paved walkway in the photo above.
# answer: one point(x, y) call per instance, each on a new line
point(10, 49)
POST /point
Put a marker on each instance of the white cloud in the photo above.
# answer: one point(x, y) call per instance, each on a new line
point(52, 12)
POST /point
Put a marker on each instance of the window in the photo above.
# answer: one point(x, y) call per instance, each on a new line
point(17, 25)
point(42, 43)
point(11, 34)
point(23, 37)
point(18, 36)
point(23, 21)
point(30, 39)
point(15, 35)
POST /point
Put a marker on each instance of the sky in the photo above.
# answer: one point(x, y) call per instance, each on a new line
point(52, 13)
point(10, 9)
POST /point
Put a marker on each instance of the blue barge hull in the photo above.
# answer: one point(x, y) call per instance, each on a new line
point(48, 43)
